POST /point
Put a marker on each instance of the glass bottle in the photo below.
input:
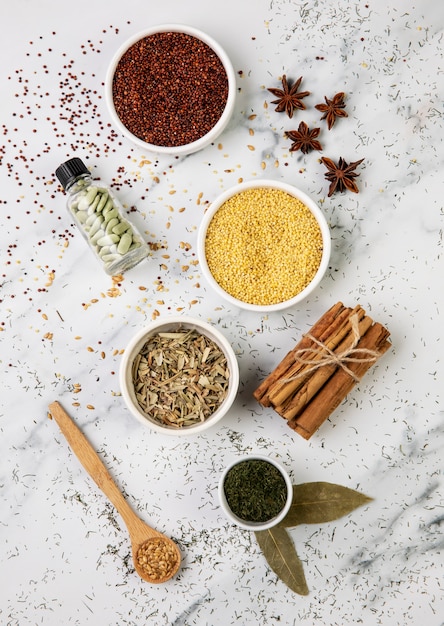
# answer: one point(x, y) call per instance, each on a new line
point(100, 218)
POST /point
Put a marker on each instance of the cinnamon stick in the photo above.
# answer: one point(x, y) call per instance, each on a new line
point(313, 384)
point(261, 393)
point(294, 379)
point(330, 396)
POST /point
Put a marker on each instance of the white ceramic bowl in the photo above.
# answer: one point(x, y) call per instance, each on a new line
point(293, 191)
point(217, 129)
point(255, 526)
point(173, 323)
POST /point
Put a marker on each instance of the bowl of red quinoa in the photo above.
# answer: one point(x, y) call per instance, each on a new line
point(179, 376)
point(264, 245)
point(171, 89)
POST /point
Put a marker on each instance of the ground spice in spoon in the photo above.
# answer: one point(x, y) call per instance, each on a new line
point(170, 89)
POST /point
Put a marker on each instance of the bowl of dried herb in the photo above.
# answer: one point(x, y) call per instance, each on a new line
point(179, 376)
point(263, 245)
point(255, 492)
point(171, 89)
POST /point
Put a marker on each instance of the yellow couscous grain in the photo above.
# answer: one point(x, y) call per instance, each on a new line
point(263, 246)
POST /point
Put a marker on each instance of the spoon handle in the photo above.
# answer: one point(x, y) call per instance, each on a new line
point(92, 464)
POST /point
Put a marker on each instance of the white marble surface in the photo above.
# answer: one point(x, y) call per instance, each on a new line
point(64, 551)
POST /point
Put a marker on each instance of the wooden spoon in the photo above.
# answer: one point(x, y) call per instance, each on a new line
point(156, 557)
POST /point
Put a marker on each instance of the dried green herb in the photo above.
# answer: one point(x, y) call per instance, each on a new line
point(313, 503)
point(255, 490)
point(317, 503)
point(180, 378)
point(281, 555)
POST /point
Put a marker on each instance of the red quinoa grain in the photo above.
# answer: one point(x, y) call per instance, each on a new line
point(170, 89)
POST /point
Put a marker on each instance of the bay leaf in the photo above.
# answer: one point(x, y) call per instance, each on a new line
point(318, 502)
point(281, 556)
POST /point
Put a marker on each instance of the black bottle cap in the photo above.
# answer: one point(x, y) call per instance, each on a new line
point(70, 170)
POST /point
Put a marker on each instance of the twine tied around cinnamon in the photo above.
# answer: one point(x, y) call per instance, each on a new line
point(324, 356)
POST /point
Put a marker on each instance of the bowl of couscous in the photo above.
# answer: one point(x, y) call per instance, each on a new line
point(264, 245)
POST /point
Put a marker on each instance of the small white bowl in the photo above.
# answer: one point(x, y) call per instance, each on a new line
point(293, 191)
point(220, 125)
point(172, 324)
point(255, 526)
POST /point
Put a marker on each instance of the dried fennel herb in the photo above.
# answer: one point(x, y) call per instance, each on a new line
point(180, 378)
point(255, 490)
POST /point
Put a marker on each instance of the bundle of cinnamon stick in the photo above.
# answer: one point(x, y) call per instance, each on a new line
point(317, 374)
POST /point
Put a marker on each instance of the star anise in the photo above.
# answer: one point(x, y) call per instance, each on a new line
point(304, 139)
point(342, 175)
point(289, 98)
point(332, 109)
